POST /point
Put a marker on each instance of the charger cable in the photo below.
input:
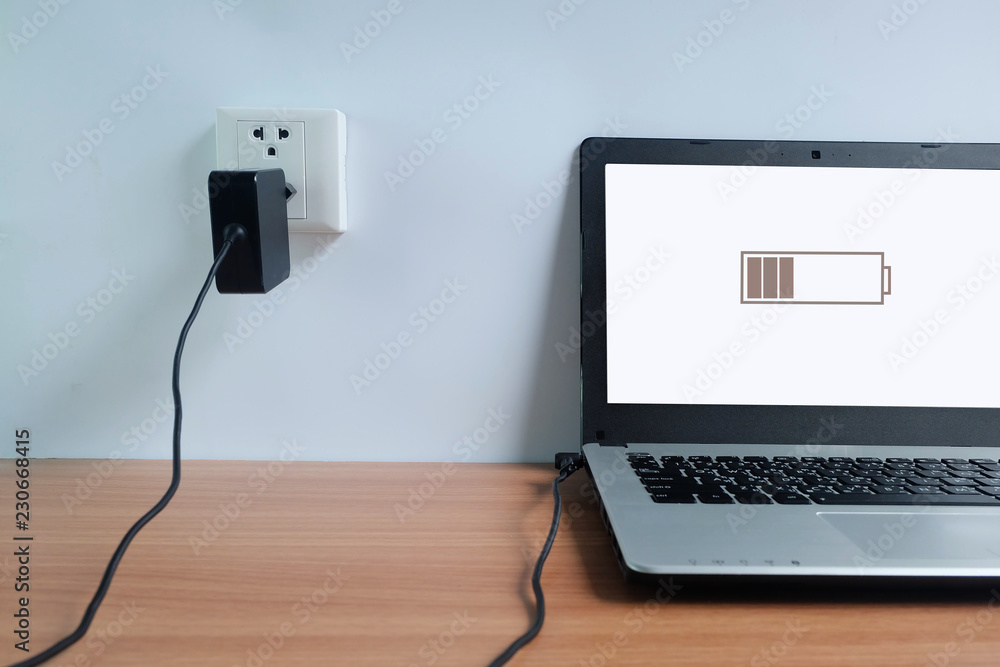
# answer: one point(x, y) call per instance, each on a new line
point(567, 463)
point(233, 233)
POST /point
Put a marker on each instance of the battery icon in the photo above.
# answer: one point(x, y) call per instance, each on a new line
point(810, 277)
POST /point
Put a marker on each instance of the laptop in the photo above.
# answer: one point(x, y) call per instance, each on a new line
point(789, 356)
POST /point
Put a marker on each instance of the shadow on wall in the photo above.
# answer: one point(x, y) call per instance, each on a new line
point(553, 421)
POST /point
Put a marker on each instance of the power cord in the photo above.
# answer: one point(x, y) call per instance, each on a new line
point(233, 233)
point(567, 463)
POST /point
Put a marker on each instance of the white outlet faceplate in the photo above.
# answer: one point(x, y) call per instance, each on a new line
point(310, 145)
point(266, 145)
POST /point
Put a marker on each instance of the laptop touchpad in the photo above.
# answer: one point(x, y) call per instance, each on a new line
point(894, 535)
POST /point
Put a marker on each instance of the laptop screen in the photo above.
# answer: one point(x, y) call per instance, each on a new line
point(765, 292)
point(828, 286)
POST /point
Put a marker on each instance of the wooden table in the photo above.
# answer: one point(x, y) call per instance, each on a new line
point(357, 564)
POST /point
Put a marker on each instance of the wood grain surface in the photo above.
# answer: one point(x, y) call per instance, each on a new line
point(304, 563)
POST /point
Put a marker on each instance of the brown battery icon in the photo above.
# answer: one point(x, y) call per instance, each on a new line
point(813, 277)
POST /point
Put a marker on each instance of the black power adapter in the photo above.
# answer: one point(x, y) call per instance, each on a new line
point(250, 235)
point(254, 200)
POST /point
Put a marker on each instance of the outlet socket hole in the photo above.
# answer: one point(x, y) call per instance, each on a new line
point(271, 152)
point(283, 133)
point(257, 133)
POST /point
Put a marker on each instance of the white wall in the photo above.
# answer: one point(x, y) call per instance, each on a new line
point(62, 236)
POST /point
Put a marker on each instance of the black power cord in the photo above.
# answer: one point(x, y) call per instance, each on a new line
point(232, 234)
point(567, 463)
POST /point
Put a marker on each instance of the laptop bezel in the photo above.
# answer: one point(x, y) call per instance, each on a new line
point(617, 424)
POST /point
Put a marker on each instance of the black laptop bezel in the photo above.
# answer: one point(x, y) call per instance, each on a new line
point(618, 424)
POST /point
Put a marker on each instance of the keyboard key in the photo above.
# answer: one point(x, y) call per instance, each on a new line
point(748, 480)
point(898, 460)
point(790, 499)
point(963, 466)
point(812, 480)
point(851, 488)
point(943, 499)
point(931, 466)
point(716, 498)
point(676, 488)
point(779, 480)
point(868, 459)
point(657, 487)
point(809, 490)
point(851, 479)
point(884, 481)
point(658, 472)
point(923, 481)
point(682, 481)
point(888, 489)
point(656, 481)
point(991, 490)
point(925, 490)
point(954, 460)
point(926, 460)
point(959, 490)
point(686, 498)
point(982, 461)
point(707, 478)
point(753, 498)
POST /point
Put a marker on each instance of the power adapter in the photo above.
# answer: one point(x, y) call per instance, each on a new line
point(250, 235)
point(253, 199)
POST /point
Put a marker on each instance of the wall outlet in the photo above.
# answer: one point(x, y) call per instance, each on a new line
point(310, 145)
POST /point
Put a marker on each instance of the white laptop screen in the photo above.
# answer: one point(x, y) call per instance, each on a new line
point(802, 286)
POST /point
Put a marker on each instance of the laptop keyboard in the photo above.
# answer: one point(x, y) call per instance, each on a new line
point(835, 480)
